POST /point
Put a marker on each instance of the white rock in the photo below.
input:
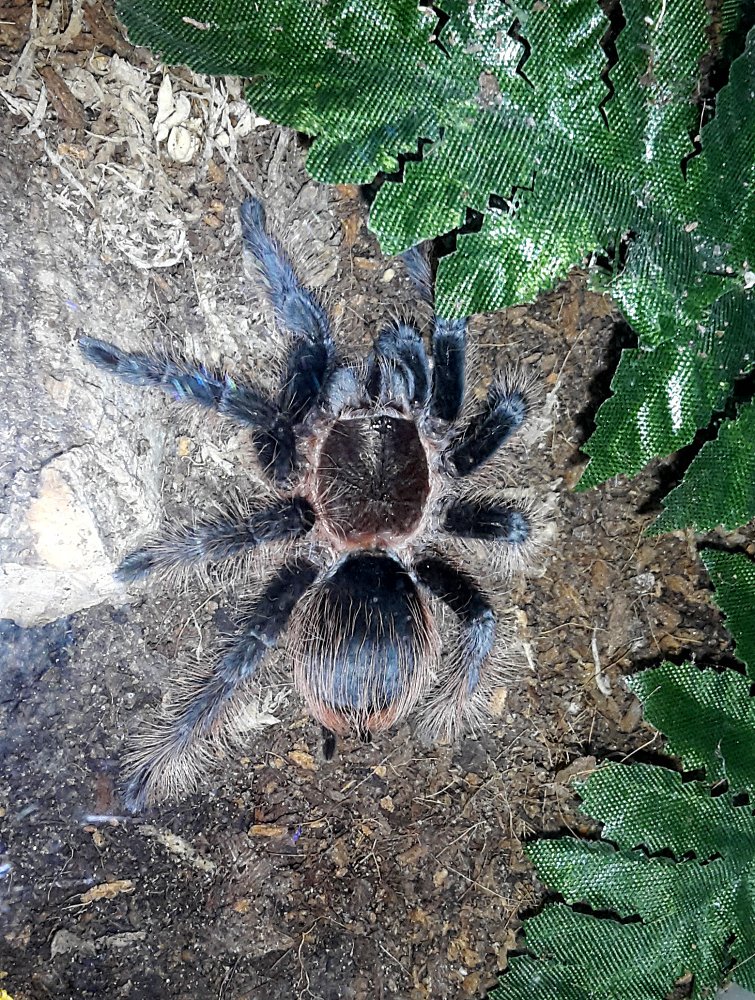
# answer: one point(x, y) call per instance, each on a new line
point(183, 145)
point(68, 569)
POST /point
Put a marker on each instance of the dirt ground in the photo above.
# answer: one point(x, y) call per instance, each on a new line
point(396, 870)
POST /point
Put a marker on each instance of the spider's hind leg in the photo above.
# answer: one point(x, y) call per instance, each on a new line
point(458, 697)
point(176, 751)
point(311, 355)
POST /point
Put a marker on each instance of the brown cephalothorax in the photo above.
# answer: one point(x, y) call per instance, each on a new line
point(374, 472)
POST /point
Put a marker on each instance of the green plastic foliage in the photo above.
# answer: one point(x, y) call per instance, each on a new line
point(733, 577)
point(651, 807)
point(576, 164)
point(662, 395)
point(688, 910)
point(719, 486)
point(363, 77)
point(708, 718)
point(698, 328)
point(673, 878)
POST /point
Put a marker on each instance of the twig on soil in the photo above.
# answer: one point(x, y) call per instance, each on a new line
point(473, 881)
point(456, 840)
point(556, 384)
point(239, 176)
point(639, 749)
point(601, 680)
point(393, 959)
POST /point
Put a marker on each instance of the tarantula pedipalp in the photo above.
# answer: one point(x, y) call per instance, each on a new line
point(367, 465)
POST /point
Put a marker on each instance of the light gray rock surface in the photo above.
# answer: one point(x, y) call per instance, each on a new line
point(80, 469)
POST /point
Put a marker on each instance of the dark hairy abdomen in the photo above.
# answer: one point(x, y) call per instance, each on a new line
point(372, 478)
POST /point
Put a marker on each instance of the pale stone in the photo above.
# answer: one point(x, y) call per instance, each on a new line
point(68, 568)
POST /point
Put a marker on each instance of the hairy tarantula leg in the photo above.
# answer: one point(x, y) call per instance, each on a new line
point(449, 358)
point(219, 539)
point(448, 708)
point(449, 345)
point(398, 365)
point(503, 412)
point(273, 432)
point(478, 519)
point(310, 357)
point(206, 708)
point(418, 268)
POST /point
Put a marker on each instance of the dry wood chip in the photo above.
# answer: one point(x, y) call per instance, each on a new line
point(412, 855)
point(580, 768)
point(267, 830)
point(351, 226)
point(80, 153)
point(69, 111)
point(179, 847)
point(105, 32)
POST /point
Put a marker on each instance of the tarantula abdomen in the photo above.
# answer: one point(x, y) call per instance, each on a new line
point(364, 645)
point(374, 471)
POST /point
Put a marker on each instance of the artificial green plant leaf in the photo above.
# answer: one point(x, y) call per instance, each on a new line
point(689, 914)
point(653, 808)
point(572, 181)
point(363, 77)
point(708, 320)
point(719, 486)
point(708, 718)
point(733, 577)
point(662, 396)
point(686, 916)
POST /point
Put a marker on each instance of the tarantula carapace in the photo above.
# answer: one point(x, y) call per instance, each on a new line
point(369, 464)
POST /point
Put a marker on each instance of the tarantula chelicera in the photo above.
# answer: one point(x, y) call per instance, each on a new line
point(369, 464)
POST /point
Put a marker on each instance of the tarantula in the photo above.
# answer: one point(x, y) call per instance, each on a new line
point(368, 465)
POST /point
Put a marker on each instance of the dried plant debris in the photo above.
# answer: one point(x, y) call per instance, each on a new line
point(117, 128)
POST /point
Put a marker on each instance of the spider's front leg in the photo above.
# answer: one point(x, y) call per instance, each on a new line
point(213, 541)
point(311, 355)
point(449, 345)
point(471, 674)
point(186, 383)
point(506, 533)
point(175, 752)
point(488, 521)
point(398, 367)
